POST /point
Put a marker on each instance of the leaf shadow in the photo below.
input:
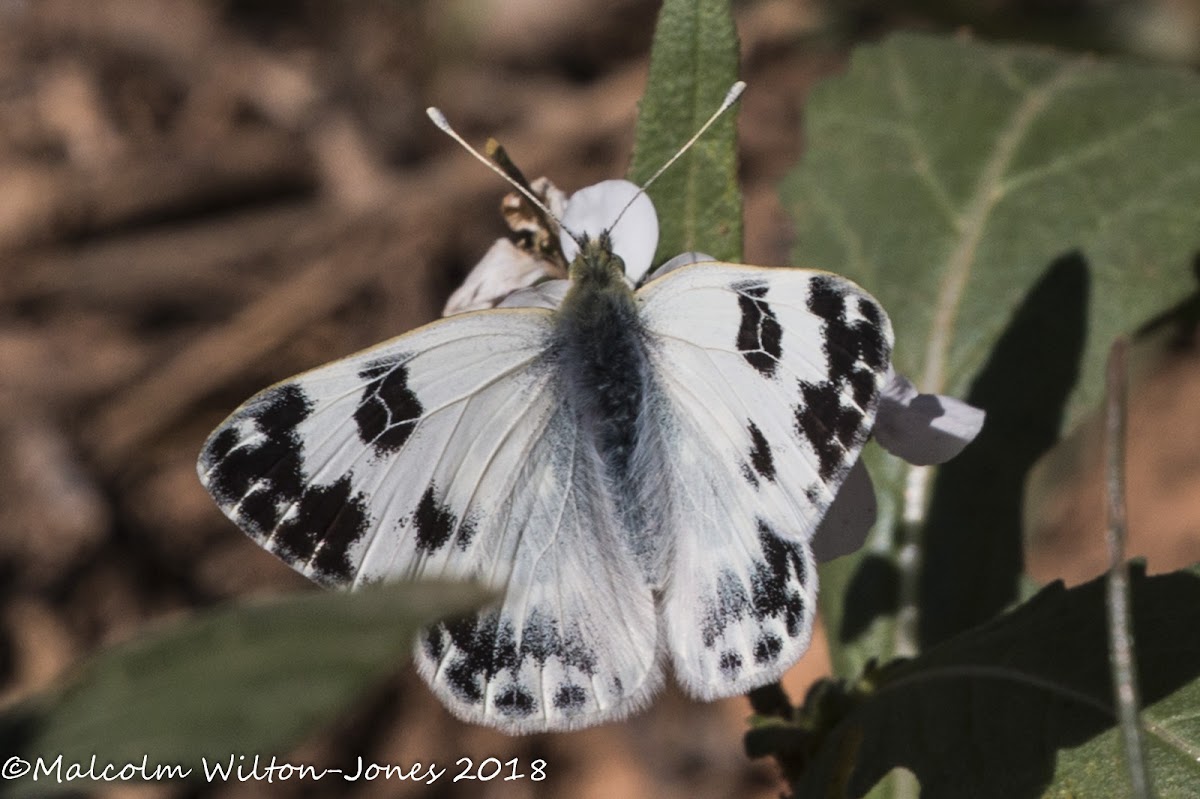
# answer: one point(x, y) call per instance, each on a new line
point(1177, 325)
point(972, 556)
point(988, 713)
point(873, 592)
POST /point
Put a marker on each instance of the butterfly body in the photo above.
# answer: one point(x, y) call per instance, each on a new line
point(608, 382)
point(639, 472)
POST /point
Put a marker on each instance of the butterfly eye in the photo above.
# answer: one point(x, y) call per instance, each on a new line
point(591, 211)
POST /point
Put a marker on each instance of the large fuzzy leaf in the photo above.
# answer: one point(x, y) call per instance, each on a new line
point(1014, 209)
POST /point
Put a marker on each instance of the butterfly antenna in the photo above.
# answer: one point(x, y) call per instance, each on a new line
point(731, 97)
point(439, 119)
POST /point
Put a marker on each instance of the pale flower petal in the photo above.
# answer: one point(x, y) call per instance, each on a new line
point(521, 217)
point(547, 295)
point(683, 259)
point(924, 429)
point(849, 519)
point(504, 269)
point(592, 211)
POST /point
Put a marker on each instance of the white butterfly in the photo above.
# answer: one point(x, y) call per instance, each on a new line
point(640, 472)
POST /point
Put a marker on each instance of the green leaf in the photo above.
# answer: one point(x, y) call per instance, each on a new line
point(693, 63)
point(1014, 210)
point(1022, 707)
point(946, 176)
point(248, 679)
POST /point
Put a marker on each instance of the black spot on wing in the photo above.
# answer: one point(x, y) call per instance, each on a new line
point(332, 563)
point(826, 298)
point(433, 641)
point(259, 512)
point(778, 580)
point(847, 344)
point(570, 697)
point(730, 665)
point(486, 650)
point(834, 430)
point(832, 414)
point(729, 602)
point(326, 522)
point(515, 701)
point(875, 349)
point(863, 385)
point(857, 350)
point(465, 683)
point(259, 451)
point(760, 453)
point(435, 523)
point(220, 445)
point(767, 649)
point(775, 590)
point(543, 638)
point(759, 336)
point(389, 410)
point(283, 407)
point(484, 646)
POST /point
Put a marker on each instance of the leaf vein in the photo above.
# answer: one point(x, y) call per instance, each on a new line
point(958, 264)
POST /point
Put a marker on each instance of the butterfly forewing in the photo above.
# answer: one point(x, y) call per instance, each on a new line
point(450, 452)
point(770, 379)
point(320, 468)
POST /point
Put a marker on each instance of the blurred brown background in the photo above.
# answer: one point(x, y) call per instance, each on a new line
point(198, 198)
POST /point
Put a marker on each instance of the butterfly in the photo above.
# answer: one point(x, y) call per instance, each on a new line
point(639, 471)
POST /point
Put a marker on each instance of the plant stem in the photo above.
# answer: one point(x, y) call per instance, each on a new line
point(908, 559)
point(1120, 634)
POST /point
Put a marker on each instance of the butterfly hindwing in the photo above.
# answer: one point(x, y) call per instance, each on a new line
point(770, 379)
point(574, 641)
point(450, 452)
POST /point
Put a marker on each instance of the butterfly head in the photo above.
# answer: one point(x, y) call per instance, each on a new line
point(611, 224)
point(596, 262)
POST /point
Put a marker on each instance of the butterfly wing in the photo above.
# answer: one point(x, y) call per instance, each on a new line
point(770, 379)
point(449, 453)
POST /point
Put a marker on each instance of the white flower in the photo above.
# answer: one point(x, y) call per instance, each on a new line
point(509, 276)
point(505, 268)
point(508, 267)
